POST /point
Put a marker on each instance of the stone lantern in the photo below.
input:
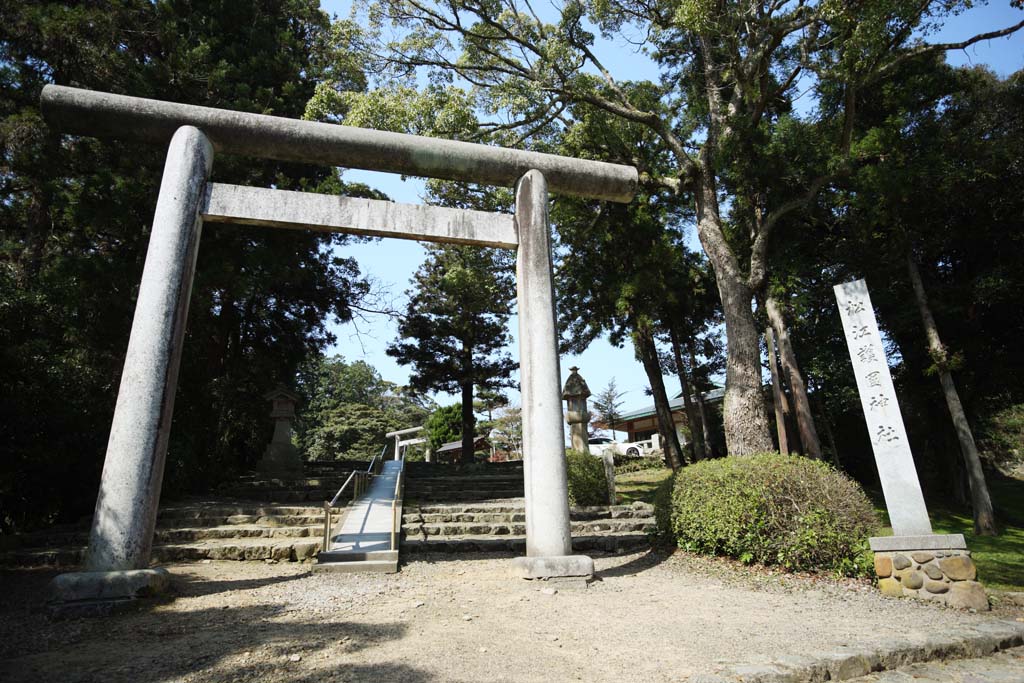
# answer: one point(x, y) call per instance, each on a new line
point(575, 395)
point(281, 456)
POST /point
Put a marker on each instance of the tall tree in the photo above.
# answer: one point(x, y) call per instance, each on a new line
point(607, 403)
point(74, 224)
point(455, 329)
point(728, 72)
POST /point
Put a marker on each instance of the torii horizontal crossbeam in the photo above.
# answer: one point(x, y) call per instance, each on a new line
point(87, 112)
point(373, 217)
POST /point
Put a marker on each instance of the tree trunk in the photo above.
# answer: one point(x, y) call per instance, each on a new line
point(778, 394)
point(801, 405)
point(826, 425)
point(981, 503)
point(745, 414)
point(701, 409)
point(468, 424)
point(695, 425)
point(643, 340)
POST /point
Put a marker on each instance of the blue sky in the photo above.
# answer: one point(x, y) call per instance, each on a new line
point(392, 262)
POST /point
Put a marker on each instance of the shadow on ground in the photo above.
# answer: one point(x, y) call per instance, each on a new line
point(652, 558)
point(253, 643)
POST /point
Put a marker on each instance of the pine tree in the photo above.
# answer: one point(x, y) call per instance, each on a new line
point(456, 326)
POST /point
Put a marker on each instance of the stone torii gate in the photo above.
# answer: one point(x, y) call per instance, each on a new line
point(117, 560)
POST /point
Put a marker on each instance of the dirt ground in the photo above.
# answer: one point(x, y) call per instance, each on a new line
point(648, 617)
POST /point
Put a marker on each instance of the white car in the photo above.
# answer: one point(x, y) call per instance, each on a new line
point(599, 444)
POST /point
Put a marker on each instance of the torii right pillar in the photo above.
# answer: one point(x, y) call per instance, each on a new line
point(548, 538)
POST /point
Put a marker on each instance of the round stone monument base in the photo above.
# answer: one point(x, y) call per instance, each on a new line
point(76, 594)
point(553, 567)
point(936, 568)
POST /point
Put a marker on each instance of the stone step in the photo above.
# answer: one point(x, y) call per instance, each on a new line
point(608, 542)
point(244, 520)
point(504, 515)
point(196, 510)
point(462, 497)
point(205, 533)
point(461, 482)
point(288, 549)
point(283, 550)
point(413, 531)
point(64, 557)
point(363, 566)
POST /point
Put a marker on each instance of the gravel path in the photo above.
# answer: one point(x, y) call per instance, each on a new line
point(650, 617)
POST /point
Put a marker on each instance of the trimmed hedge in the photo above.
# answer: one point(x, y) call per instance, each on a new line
point(771, 509)
point(587, 483)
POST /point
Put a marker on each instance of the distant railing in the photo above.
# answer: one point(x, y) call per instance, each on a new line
point(360, 481)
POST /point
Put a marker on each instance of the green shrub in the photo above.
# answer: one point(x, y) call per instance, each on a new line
point(625, 464)
point(587, 483)
point(771, 509)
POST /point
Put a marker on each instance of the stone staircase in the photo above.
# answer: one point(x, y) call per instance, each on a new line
point(428, 483)
point(500, 526)
point(447, 509)
point(188, 532)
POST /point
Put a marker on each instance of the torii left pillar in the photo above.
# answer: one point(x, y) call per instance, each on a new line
point(120, 541)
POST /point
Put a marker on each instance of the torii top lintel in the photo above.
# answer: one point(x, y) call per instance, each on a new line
point(88, 112)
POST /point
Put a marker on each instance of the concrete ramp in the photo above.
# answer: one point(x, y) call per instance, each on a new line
point(362, 543)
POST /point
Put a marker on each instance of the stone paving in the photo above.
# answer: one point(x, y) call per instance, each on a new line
point(1001, 667)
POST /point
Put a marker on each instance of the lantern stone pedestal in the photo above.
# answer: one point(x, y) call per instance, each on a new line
point(281, 457)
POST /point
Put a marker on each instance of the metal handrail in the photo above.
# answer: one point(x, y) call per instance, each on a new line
point(399, 492)
point(360, 479)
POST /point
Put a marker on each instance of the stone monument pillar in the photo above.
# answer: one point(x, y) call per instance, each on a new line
point(281, 456)
point(914, 561)
point(575, 395)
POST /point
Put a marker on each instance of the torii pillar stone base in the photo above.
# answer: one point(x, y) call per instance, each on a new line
point(548, 537)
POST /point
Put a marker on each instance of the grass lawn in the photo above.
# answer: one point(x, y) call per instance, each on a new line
point(641, 485)
point(1000, 559)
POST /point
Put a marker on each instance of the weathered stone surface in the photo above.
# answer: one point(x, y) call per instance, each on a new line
point(883, 566)
point(270, 137)
point(844, 665)
point(959, 568)
point(922, 557)
point(968, 595)
point(936, 587)
point(935, 542)
point(891, 587)
point(356, 215)
point(126, 507)
point(115, 585)
point(900, 561)
point(913, 580)
point(552, 567)
point(933, 571)
point(546, 480)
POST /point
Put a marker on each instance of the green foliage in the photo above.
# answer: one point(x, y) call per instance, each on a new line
point(606, 405)
point(74, 225)
point(625, 464)
point(771, 509)
point(1001, 436)
point(350, 431)
point(444, 425)
point(587, 483)
point(348, 409)
point(455, 330)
